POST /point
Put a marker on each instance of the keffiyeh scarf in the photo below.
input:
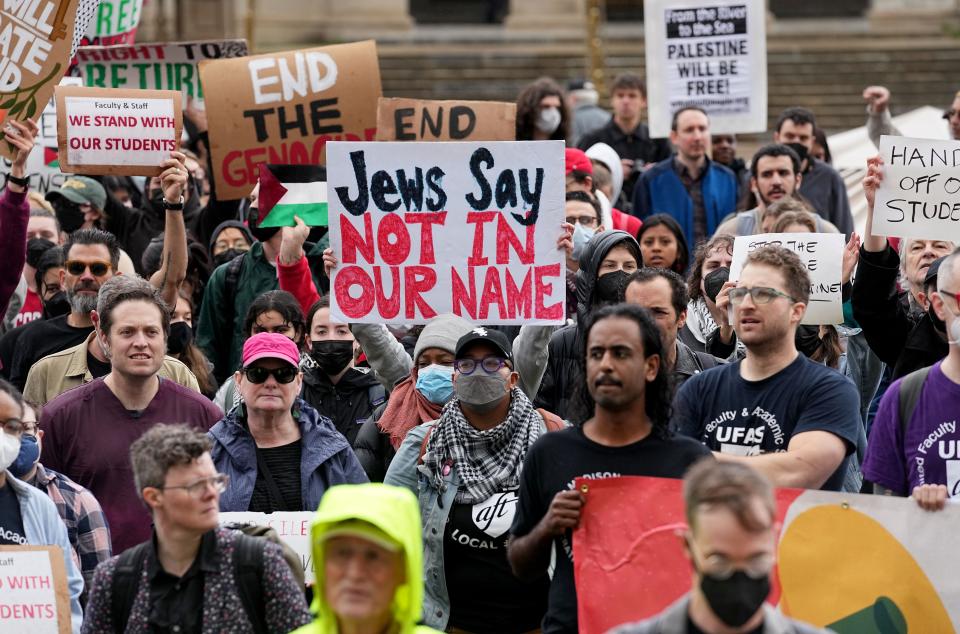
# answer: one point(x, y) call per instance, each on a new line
point(489, 461)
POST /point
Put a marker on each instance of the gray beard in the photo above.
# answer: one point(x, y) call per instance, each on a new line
point(81, 303)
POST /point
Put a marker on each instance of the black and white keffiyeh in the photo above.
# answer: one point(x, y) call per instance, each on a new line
point(489, 461)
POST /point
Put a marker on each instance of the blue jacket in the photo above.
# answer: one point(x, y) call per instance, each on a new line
point(660, 191)
point(43, 527)
point(326, 458)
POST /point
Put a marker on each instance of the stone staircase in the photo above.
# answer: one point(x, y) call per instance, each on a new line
point(821, 67)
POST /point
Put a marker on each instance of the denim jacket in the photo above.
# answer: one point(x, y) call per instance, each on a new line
point(43, 527)
point(435, 508)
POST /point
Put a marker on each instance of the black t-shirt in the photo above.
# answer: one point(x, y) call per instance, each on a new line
point(97, 367)
point(747, 418)
point(40, 338)
point(485, 597)
point(8, 346)
point(283, 463)
point(552, 465)
point(11, 520)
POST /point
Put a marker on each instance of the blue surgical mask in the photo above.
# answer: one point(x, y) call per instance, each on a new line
point(28, 456)
point(581, 236)
point(435, 382)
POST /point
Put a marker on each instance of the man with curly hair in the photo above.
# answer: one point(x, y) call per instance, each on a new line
point(628, 394)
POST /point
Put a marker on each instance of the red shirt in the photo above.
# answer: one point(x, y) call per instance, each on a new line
point(32, 309)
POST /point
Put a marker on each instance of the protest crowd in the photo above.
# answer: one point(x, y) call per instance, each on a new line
point(175, 361)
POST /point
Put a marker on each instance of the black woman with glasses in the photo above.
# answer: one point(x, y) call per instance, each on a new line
point(789, 417)
point(280, 453)
point(465, 469)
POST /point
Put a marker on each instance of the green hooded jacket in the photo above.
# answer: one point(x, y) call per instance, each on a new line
point(394, 511)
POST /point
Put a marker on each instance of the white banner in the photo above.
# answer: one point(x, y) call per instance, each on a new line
point(423, 229)
point(821, 253)
point(293, 527)
point(918, 195)
point(711, 54)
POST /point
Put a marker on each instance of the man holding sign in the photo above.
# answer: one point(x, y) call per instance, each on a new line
point(790, 418)
point(900, 327)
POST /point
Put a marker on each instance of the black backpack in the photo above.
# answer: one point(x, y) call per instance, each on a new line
point(910, 388)
point(248, 566)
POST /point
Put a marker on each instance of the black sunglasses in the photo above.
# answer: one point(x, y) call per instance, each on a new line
point(284, 375)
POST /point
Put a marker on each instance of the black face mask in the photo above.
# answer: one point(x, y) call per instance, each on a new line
point(332, 356)
point(181, 335)
point(263, 234)
point(736, 599)
point(36, 247)
point(226, 256)
point(68, 215)
point(938, 323)
point(800, 149)
point(610, 287)
point(714, 281)
point(807, 340)
point(55, 306)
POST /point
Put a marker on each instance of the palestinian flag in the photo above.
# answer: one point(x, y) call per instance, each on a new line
point(292, 190)
point(50, 157)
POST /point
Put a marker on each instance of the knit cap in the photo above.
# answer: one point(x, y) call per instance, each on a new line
point(442, 332)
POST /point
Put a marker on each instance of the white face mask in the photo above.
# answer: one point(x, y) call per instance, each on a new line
point(548, 120)
point(581, 236)
point(9, 449)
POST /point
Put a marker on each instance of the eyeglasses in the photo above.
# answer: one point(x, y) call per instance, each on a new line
point(284, 375)
point(12, 426)
point(97, 269)
point(759, 294)
point(196, 489)
point(585, 221)
point(30, 427)
point(490, 364)
point(722, 568)
point(950, 114)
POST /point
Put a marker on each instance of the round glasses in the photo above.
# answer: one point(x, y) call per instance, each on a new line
point(490, 364)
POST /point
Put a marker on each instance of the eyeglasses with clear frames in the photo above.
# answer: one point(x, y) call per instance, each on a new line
point(219, 483)
point(759, 294)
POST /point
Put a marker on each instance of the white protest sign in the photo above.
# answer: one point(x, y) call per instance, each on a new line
point(423, 229)
point(43, 166)
point(711, 54)
point(918, 195)
point(292, 527)
point(33, 590)
point(116, 131)
point(821, 253)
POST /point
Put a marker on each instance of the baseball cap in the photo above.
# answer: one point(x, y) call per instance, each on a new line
point(80, 190)
point(580, 84)
point(577, 160)
point(270, 345)
point(363, 530)
point(931, 276)
point(493, 337)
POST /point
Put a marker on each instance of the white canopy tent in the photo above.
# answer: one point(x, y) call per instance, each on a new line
point(851, 149)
